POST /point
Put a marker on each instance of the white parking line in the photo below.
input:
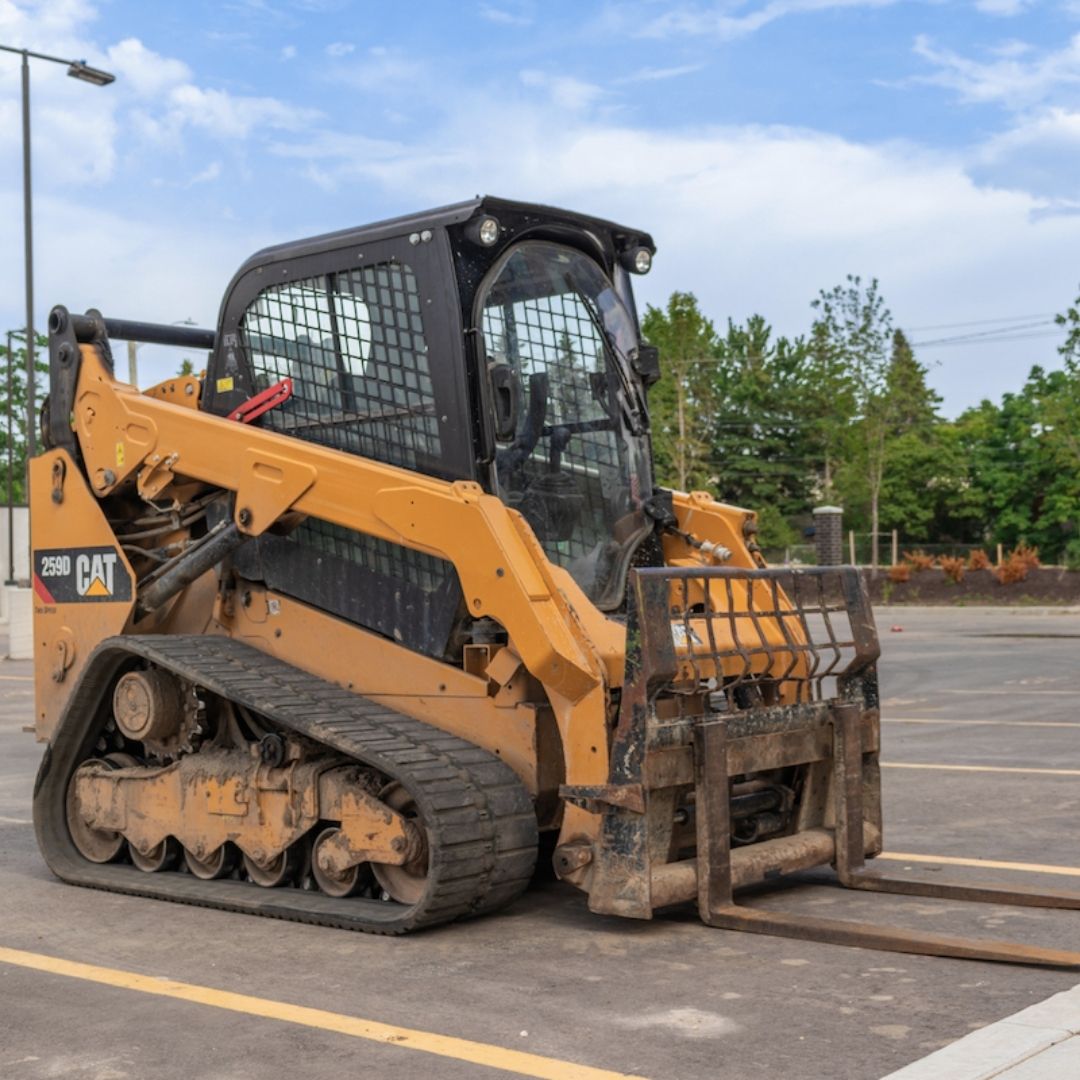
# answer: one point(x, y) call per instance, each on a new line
point(979, 768)
point(991, 723)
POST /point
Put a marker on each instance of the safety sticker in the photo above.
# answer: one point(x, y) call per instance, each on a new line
point(684, 635)
point(80, 575)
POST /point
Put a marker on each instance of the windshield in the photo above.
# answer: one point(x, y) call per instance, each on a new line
point(573, 456)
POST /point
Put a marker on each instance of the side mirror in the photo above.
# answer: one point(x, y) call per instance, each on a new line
point(506, 395)
point(647, 363)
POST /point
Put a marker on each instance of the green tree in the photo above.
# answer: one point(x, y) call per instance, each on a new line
point(760, 446)
point(1063, 416)
point(1023, 463)
point(681, 401)
point(828, 408)
point(855, 328)
point(18, 401)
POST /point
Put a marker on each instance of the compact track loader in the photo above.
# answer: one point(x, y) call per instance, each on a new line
point(337, 630)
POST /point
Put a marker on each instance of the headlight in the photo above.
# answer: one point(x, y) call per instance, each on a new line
point(484, 231)
point(637, 260)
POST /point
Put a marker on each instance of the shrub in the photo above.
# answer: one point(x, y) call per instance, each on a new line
point(953, 568)
point(919, 560)
point(1011, 570)
point(978, 560)
point(1029, 556)
point(899, 573)
point(1071, 556)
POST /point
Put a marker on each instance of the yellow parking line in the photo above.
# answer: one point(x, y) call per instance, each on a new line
point(1014, 693)
point(990, 864)
point(16, 678)
point(979, 768)
point(991, 723)
point(494, 1057)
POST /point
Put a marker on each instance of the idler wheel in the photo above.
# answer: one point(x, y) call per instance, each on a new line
point(405, 883)
point(97, 845)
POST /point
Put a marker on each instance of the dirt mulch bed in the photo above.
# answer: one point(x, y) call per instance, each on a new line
point(1043, 586)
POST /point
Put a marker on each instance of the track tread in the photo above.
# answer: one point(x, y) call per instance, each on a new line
point(479, 815)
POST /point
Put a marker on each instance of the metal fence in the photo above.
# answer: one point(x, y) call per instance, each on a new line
point(859, 550)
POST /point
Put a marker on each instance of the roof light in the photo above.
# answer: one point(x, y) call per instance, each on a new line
point(484, 231)
point(636, 258)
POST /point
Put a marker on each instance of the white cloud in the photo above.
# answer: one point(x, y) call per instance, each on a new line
point(1055, 125)
point(1040, 153)
point(143, 71)
point(204, 176)
point(564, 91)
point(43, 22)
point(752, 218)
point(505, 17)
point(729, 20)
point(153, 270)
point(651, 74)
point(340, 48)
point(1012, 77)
point(1003, 8)
point(288, 52)
point(227, 116)
point(378, 69)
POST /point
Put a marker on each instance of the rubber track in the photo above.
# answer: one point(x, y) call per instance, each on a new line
point(481, 822)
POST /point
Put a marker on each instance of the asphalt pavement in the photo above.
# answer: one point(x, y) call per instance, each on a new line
point(985, 690)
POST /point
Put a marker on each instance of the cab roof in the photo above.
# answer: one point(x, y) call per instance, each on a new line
point(617, 237)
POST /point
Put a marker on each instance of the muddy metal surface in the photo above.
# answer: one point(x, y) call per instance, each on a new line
point(666, 999)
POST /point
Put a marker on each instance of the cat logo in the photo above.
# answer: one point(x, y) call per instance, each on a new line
point(94, 574)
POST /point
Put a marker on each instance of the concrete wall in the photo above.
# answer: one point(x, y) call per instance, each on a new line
point(22, 549)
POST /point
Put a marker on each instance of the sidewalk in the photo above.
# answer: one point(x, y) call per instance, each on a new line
point(1041, 1042)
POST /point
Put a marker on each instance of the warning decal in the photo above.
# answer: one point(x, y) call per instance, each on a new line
point(80, 575)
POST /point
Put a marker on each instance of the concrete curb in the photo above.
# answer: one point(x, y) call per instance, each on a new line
point(1036, 1043)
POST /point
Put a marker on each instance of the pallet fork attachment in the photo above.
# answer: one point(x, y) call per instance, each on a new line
point(826, 677)
point(717, 906)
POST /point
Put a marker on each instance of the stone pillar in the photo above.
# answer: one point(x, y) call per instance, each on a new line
point(829, 535)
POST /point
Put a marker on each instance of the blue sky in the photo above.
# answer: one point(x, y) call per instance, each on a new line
point(770, 146)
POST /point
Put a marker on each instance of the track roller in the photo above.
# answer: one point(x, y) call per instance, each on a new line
point(217, 864)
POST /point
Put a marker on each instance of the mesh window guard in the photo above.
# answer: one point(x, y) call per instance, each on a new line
point(572, 486)
point(391, 560)
point(353, 343)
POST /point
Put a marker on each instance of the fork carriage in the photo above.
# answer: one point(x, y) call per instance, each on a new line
point(747, 748)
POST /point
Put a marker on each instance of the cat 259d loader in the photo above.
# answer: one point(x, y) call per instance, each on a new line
point(335, 631)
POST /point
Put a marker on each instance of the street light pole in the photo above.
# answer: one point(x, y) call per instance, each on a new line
point(28, 239)
point(77, 69)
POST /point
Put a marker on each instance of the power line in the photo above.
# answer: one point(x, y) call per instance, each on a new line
point(987, 341)
point(979, 322)
point(982, 335)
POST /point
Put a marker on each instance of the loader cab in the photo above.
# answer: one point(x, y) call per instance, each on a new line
point(490, 341)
